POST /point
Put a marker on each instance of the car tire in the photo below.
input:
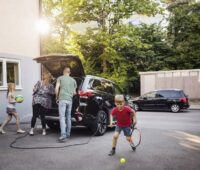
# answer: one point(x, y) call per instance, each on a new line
point(175, 108)
point(136, 107)
point(100, 125)
point(53, 124)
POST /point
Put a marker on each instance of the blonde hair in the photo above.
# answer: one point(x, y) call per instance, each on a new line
point(119, 97)
point(49, 76)
point(11, 86)
point(46, 77)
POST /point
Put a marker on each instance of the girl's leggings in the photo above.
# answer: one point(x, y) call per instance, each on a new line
point(38, 110)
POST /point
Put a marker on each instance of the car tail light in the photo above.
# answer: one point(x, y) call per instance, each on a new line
point(86, 94)
point(184, 100)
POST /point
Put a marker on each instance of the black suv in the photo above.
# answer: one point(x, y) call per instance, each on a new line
point(96, 94)
point(167, 99)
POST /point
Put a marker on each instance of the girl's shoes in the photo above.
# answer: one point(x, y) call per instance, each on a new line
point(20, 131)
point(2, 131)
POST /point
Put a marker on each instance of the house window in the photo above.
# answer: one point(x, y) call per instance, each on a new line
point(10, 72)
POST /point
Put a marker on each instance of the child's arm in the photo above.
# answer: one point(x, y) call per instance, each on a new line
point(134, 118)
point(112, 114)
point(11, 99)
point(111, 121)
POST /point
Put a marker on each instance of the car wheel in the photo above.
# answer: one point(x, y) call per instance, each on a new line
point(136, 107)
point(53, 124)
point(100, 125)
point(175, 108)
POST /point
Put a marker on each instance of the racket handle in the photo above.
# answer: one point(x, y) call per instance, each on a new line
point(133, 126)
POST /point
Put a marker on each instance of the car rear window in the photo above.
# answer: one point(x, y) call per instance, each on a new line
point(171, 94)
point(102, 85)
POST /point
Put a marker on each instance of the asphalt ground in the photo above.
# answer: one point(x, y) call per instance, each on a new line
point(169, 141)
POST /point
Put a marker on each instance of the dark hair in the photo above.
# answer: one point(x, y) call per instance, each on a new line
point(67, 68)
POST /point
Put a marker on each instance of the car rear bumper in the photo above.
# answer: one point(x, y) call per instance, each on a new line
point(185, 106)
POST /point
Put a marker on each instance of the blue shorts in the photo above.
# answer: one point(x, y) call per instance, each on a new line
point(126, 130)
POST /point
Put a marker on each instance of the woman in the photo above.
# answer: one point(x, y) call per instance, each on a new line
point(41, 101)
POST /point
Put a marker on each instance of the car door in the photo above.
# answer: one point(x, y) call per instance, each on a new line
point(161, 100)
point(148, 101)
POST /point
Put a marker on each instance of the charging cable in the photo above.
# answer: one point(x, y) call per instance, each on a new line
point(12, 144)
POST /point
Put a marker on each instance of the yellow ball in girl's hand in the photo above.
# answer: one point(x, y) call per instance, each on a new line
point(122, 160)
point(19, 99)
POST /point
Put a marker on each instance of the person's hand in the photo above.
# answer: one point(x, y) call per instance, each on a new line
point(111, 124)
point(57, 101)
point(133, 125)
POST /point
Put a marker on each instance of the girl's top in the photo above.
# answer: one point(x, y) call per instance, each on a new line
point(42, 94)
point(11, 101)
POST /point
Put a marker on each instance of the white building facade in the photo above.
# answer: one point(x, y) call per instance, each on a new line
point(19, 44)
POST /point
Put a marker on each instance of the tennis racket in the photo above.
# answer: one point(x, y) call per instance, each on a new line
point(136, 135)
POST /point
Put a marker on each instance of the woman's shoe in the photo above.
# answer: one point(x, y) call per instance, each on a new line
point(44, 132)
point(20, 131)
point(2, 131)
point(31, 133)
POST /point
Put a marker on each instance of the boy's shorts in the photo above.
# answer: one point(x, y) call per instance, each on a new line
point(126, 130)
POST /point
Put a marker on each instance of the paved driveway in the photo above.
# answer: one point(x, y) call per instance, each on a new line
point(169, 141)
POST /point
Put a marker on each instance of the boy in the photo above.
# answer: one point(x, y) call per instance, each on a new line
point(125, 117)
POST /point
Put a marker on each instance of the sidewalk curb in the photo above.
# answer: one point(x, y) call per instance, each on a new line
point(194, 107)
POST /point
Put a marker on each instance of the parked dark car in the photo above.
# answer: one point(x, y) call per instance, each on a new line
point(169, 99)
point(96, 94)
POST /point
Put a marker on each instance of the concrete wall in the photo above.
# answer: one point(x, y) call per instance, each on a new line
point(188, 80)
point(19, 40)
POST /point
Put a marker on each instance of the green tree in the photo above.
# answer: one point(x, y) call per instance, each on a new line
point(103, 47)
point(156, 51)
point(183, 32)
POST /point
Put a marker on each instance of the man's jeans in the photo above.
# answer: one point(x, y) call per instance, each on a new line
point(65, 107)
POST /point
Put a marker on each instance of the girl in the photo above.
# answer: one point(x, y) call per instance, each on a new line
point(11, 110)
point(42, 101)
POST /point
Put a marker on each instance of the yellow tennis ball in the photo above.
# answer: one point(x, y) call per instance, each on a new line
point(122, 160)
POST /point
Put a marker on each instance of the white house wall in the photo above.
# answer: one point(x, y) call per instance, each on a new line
point(19, 40)
point(18, 34)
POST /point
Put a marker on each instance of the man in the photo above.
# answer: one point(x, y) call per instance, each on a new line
point(65, 89)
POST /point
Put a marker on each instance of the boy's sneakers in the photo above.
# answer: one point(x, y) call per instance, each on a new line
point(2, 131)
point(133, 147)
point(112, 152)
point(20, 131)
